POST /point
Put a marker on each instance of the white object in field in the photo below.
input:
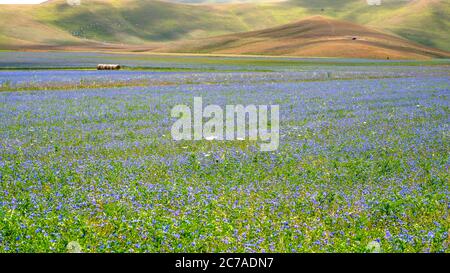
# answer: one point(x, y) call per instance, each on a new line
point(374, 2)
point(73, 247)
point(374, 247)
point(74, 2)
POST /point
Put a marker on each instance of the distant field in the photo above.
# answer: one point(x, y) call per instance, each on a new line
point(87, 156)
point(201, 62)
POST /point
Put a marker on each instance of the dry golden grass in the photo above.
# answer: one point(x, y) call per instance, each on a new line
point(315, 36)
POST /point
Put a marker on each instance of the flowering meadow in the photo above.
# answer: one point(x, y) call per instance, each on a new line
point(87, 157)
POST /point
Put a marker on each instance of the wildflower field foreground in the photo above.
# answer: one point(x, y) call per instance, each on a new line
point(87, 157)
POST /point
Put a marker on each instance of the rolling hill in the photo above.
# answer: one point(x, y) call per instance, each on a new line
point(315, 36)
point(147, 24)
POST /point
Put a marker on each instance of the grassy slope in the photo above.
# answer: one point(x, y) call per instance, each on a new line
point(27, 30)
point(147, 21)
point(135, 21)
point(423, 21)
point(315, 36)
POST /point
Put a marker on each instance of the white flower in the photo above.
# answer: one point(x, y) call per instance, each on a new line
point(73, 247)
point(374, 247)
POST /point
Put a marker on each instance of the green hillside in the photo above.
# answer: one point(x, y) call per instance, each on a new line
point(423, 21)
point(144, 22)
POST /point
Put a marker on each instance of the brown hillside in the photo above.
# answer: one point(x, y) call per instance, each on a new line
point(315, 36)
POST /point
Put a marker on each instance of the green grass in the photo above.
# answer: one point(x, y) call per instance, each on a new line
point(268, 61)
point(137, 68)
point(222, 64)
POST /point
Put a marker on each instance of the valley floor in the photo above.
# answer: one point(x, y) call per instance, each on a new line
point(86, 156)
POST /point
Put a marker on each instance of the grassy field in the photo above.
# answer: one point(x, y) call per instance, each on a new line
point(87, 156)
point(198, 62)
